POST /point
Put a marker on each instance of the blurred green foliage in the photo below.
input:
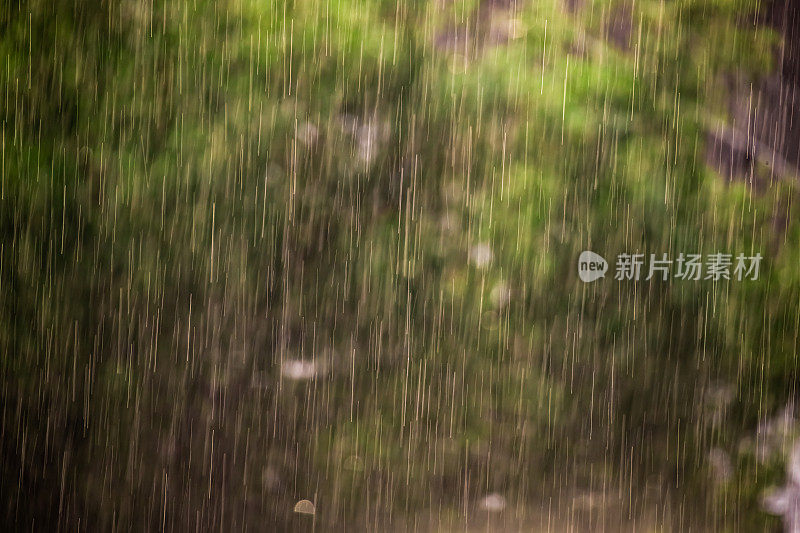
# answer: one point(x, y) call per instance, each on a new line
point(195, 192)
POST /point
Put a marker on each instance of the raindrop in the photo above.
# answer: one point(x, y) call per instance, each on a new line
point(307, 133)
point(500, 295)
point(304, 507)
point(297, 369)
point(721, 467)
point(481, 255)
point(493, 503)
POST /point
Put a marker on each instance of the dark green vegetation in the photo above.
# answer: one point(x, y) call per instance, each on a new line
point(195, 194)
